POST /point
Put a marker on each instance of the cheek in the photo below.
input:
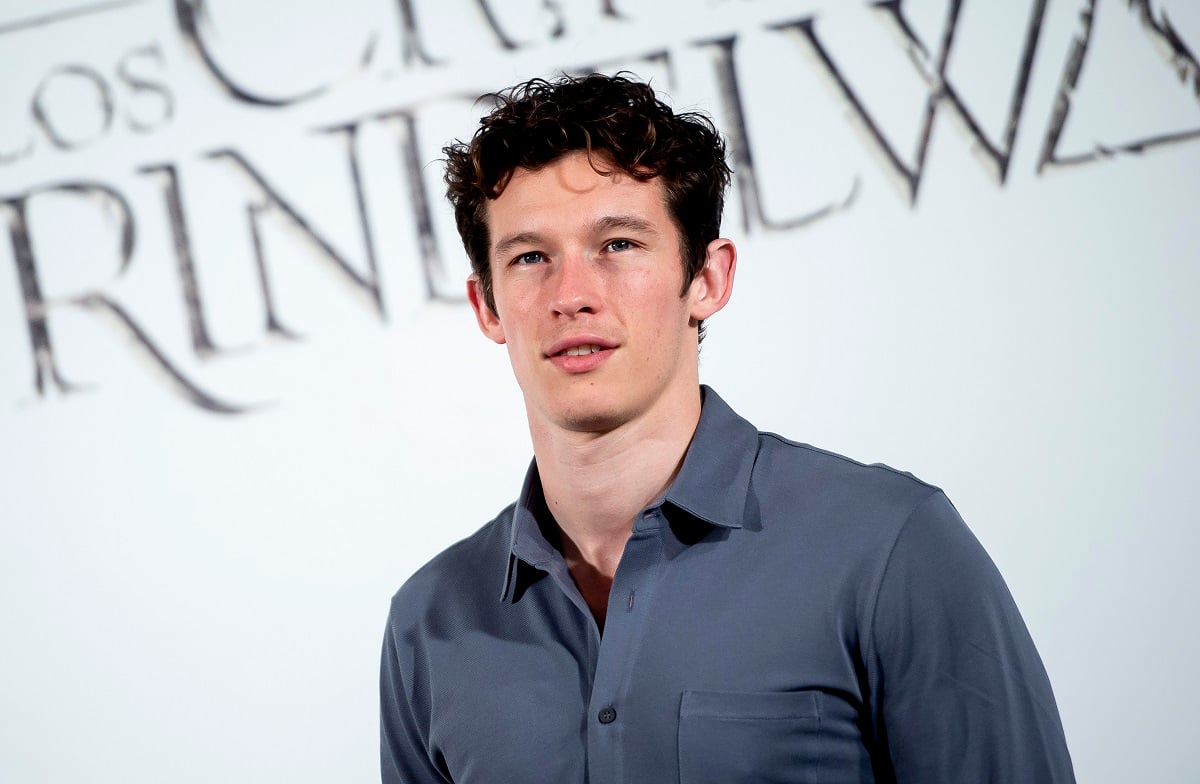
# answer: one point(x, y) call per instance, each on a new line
point(522, 364)
point(518, 300)
point(651, 290)
point(521, 336)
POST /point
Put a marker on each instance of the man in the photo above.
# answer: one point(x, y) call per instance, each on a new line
point(676, 596)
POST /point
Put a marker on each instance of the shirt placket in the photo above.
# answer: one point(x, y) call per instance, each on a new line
point(629, 603)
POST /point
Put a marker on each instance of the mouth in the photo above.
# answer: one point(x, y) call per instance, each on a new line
point(580, 354)
point(578, 346)
point(580, 351)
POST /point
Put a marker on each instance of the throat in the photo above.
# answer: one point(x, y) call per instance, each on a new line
point(594, 586)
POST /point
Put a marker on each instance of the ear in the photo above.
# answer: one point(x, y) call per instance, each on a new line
point(489, 322)
point(712, 287)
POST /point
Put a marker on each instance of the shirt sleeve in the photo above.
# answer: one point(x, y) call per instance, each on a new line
point(402, 738)
point(960, 693)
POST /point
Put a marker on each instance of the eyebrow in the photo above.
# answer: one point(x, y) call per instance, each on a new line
point(601, 225)
point(521, 238)
point(630, 222)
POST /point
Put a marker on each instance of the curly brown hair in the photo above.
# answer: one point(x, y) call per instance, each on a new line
point(538, 121)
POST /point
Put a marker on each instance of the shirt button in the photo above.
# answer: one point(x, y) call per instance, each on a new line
point(607, 715)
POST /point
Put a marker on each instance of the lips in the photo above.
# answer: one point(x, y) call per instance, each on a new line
point(580, 351)
point(579, 346)
point(580, 354)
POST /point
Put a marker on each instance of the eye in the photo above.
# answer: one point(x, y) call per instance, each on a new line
point(532, 257)
point(618, 245)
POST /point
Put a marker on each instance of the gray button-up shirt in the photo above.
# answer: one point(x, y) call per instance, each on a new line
point(783, 614)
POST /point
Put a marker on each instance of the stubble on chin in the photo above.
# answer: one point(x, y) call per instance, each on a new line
point(596, 417)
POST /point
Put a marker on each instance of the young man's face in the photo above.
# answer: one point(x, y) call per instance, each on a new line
point(587, 276)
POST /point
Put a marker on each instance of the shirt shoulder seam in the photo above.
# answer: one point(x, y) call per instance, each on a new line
point(848, 460)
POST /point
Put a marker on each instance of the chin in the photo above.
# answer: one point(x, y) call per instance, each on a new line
point(588, 413)
point(590, 420)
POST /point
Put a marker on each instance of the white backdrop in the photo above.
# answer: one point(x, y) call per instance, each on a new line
point(241, 398)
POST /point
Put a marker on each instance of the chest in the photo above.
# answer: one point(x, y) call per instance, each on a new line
point(706, 672)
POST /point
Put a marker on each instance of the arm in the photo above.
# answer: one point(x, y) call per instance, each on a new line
point(402, 738)
point(959, 691)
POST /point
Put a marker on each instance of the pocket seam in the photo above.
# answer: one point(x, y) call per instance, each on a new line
point(810, 709)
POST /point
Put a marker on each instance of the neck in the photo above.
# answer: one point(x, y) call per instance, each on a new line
point(595, 484)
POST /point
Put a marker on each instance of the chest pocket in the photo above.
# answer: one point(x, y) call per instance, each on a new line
point(735, 737)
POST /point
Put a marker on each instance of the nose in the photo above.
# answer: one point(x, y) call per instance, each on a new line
point(575, 289)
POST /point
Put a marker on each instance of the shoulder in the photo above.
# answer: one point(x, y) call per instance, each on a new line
point(854, 494)
point(469, 572)
point(839, 521)
point(797, 492)
point(905, 531)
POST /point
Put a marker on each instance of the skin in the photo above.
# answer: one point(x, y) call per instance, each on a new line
point(581, 257)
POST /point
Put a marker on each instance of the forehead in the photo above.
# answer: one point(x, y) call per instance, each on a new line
point(574, 191)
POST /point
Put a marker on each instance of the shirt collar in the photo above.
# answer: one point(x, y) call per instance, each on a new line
point(713, 485)
point(714, 481)
point(527, 545)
